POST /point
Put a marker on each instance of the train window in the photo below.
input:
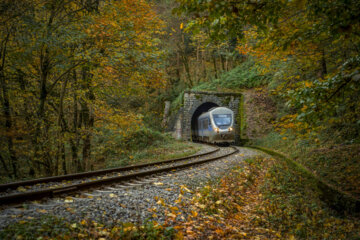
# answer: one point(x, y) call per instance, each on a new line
point(209, 124)
point(204, 124)
point(222, 119)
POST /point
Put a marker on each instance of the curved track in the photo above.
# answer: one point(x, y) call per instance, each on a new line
point(122, 175)
point(70, 177)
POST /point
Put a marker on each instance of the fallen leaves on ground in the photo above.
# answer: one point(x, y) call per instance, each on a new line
point(263, 199)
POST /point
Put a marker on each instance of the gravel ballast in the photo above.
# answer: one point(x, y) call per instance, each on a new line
point(132, 203)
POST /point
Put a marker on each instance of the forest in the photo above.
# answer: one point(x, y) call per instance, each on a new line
point(83, 82)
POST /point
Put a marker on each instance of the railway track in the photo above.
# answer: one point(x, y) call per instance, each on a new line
point(136, 174)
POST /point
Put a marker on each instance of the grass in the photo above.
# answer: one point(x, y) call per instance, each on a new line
point(338, 164)
point(245, 75)
point(292, 206)
point(51, 227)
point(167, 150)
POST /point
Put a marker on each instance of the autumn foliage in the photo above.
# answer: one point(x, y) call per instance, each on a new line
point(71, 70)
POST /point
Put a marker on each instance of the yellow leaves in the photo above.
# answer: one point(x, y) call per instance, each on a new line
point(181, 25)
point(179, 200)
point(158, 183)
point(184, 188)
point(112, 195)
point(174, 208)
point(202, 206)
point(41, 211)
point(179, 235)
point(171, 215)
point(153, 209)
point(160, 201)
point(21, 189)
point(68, 200)
point(194, 213)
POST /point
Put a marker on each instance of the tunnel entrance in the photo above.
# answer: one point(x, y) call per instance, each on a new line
point(201, 109)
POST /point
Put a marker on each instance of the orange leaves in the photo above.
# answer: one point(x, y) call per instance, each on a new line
point(308, 84)
point(124, 34)
point(220, 211)
point(244, 49)
point(194, 213)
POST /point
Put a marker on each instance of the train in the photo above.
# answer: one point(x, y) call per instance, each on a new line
point(215, 126)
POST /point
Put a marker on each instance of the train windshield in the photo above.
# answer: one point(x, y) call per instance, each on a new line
point(222, 119)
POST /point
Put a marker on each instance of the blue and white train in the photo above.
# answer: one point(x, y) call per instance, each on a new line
point(216, 126)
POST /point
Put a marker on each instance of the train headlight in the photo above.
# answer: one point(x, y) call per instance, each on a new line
point(230, 129)
point(217, 130)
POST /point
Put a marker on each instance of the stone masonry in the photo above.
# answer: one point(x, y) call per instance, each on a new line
point(196, 102)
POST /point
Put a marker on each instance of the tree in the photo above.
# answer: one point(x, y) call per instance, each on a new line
point(68, 69)
point(313, 47)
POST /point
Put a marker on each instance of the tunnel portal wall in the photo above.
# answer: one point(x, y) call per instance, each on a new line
point(194, 99)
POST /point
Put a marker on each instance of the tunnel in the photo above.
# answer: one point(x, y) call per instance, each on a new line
point(201, 109)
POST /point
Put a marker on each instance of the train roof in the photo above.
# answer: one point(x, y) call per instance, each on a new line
point(219, 110)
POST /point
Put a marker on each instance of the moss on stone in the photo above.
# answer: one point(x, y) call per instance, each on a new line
point(241, 118)
point(226, 100)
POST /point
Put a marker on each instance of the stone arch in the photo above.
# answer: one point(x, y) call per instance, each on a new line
point(196, 102)
point(197, 111)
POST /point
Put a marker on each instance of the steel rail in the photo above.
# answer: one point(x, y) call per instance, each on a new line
point(14, 185)
point(39, 194)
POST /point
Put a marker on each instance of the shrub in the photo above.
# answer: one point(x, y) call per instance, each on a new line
point(246, 75)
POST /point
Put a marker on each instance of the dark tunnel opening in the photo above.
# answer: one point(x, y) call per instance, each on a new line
point(201, 109)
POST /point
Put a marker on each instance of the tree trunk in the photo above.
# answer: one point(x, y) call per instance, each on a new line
point(323, 64)
point(214, 62)
point(222, 62)
point(74, 143)
point(44, 68)
point(204, 65)
point(5, 166)
point(87, 118)
point(6, 107)
point(187, 69)
point(63, 127)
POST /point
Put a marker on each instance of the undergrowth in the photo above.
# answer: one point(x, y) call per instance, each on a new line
point(338, 164)
point(245, 75)
point(264, 199)
point(292, 206)
point(51, 227)
point(144, 145)
point(156, 152)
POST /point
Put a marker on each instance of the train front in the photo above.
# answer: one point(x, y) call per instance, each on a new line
point(222, 119)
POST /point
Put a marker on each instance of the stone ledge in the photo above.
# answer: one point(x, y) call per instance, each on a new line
point(214, 93)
